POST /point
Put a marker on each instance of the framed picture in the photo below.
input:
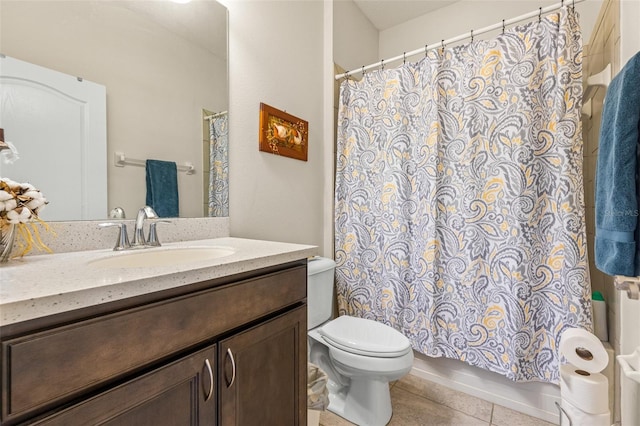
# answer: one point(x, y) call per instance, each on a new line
point(282, 133)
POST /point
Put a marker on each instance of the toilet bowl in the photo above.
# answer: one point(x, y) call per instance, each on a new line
point(358, 375)
point(360, 356)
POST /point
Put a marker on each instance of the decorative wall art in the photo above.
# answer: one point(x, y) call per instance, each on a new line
point(282, 133)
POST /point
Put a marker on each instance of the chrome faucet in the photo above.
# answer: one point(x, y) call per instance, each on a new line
point(139, 241)
point(138, 231)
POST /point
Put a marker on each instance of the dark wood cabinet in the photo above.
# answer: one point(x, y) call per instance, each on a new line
point(227, 352)
point(182, 393)
point(262, 373)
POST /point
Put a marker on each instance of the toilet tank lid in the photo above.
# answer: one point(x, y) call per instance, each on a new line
point(319, 264)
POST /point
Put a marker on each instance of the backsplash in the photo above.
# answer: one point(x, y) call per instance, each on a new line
point(86, 235)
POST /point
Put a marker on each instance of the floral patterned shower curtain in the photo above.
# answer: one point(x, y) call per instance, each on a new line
point(459, 199)
point(219, 166)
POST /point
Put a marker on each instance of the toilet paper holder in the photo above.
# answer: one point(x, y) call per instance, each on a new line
point(562, 411)
point(629, 284)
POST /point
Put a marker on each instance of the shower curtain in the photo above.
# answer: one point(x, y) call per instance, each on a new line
point(219, 166)
point(459, 199)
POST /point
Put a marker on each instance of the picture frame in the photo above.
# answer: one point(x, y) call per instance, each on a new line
point(283, 134)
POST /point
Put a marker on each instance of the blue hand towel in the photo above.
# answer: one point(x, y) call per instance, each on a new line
point(617, 243)
point(162, 187)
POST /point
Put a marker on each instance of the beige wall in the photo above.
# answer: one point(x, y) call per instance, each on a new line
point(277, 58)
point(603, 48)
point(355, 39)
point(142, 65)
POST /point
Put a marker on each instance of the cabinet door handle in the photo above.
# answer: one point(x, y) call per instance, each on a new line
point(208, 365)
point(233, 367)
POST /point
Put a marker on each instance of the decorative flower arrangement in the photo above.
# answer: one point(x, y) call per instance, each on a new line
point(20, 204)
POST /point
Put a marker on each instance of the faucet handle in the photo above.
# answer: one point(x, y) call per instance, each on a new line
point(153, 235)
point(122, 243)
point(117, 213)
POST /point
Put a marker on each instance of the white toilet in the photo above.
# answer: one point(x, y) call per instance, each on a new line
point(360, 356)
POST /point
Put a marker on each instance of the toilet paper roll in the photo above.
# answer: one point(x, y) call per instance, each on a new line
point(586, 391)
point(583, 350)
point(580, 418)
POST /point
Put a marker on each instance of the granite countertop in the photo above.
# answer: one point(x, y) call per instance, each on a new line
point(37, 286)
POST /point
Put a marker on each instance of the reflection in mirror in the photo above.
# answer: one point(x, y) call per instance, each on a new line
point(164, 68)
point(71, 120)
point(217, 160)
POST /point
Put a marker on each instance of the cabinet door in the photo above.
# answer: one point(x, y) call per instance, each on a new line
point(263, 373)
point(179, 394)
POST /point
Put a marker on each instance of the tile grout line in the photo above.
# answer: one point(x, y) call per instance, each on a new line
point(493, 407)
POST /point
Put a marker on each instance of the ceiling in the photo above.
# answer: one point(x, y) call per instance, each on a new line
point(384, 14)
point(201, 22)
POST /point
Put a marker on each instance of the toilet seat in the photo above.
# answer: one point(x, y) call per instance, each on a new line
point(365, 337)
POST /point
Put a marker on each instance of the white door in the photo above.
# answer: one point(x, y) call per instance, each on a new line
point(58, 124)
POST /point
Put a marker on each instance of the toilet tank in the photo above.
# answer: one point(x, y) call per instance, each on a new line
point(319, 291)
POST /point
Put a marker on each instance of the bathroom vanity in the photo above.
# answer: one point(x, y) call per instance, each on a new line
point(208, 342)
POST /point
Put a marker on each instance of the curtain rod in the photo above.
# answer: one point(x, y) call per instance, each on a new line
point(209, 117)
point(470, 34)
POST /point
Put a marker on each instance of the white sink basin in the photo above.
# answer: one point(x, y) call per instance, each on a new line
point(163, 256)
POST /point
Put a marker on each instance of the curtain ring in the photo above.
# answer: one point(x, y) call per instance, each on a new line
point(503, 27)
point(443, 46)
point(404, 58)
point(426, 48)
point(363, 71)
point(381, 64)
point(540, 16)
point(471, 36)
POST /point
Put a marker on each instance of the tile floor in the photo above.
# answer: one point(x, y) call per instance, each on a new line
point(417, 402)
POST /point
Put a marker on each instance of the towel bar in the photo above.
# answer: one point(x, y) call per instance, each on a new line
point(602, 79)
point(121, 160)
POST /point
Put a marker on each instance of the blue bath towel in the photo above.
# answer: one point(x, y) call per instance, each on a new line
point(617, 234)
point(162, 187)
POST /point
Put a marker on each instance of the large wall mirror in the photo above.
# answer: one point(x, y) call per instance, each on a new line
point(163, 65)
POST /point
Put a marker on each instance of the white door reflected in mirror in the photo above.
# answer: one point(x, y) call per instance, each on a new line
point(58, 124)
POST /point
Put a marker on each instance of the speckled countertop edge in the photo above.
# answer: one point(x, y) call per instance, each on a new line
point(81, 235)
point(37, 286)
